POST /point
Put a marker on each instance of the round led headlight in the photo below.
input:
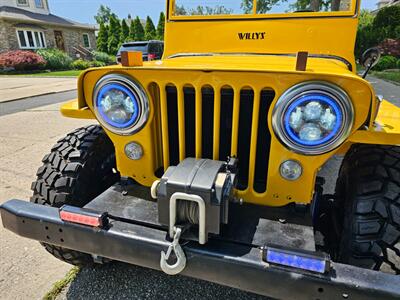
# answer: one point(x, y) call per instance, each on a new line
point(121, 104)
point(313, 118)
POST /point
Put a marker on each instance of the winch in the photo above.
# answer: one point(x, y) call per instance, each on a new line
point(195, 192)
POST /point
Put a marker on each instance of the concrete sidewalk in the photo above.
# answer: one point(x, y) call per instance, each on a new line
point(18, 87)
point(27, 271)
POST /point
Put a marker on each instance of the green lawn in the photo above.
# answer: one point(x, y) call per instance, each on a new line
point(392, 76)
point(72, 73)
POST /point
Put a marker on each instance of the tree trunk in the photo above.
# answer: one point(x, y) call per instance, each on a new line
point(335, 5)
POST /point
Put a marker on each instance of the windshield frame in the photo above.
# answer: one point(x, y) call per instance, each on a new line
point(254, 16)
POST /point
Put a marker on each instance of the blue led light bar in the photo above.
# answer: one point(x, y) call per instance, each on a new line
point(298, 260)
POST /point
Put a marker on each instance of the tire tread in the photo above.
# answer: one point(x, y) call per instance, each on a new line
point(369, 181)
point(70, 174)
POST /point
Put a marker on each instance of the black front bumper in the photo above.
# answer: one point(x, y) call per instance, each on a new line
point(237, 265)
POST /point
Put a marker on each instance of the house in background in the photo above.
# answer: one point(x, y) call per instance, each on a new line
point(384, 3)
point(29, 25)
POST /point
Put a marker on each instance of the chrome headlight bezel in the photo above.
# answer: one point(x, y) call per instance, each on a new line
point(292, 95)
point(136, 90)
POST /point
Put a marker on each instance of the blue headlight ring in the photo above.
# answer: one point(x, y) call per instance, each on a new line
point(122, 88)
point(308, 98)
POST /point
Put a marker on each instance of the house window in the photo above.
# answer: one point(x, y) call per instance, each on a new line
point(22, 3)
point(86, 40)
point(31, 39)
point(39, 3)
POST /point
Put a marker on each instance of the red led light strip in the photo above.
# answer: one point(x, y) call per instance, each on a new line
point(80, 219)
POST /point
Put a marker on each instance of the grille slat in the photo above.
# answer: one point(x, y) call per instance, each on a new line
point(225, 139)
point(199, 119)
point(244, 136)
point(173, 132)
point(263, 142)
point(181, 124)
point(217, 121)
point(254, 136)
point(164, 126)
point(190, 121)
point(208, 122)
point(235, 122)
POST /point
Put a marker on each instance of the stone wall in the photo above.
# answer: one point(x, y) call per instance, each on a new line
point(3, 37)
point(72, 37)
point(8, 36)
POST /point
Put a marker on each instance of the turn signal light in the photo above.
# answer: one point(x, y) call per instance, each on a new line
point(305, 260)
point(131, 58)
point(83, 216)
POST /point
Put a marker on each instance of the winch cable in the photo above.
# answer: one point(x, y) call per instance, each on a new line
point(187, 212)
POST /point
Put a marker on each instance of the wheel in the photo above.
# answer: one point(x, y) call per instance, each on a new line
point(368, 186)
point(79, 167)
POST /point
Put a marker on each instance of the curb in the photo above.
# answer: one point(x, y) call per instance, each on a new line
point(37, 76)
point(387, 80)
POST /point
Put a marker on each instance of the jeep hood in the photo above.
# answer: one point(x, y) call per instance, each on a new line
point(252, 63)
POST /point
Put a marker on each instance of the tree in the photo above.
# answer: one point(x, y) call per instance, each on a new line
point(150, 30)
point(132, 31)
point(263, 6)
point(124, 32)
point(160, 26)
point(202, 10)
point(139, 30)
point(102, 38)
point(365, 19)
point(180, 10)
point(104, 14)
point(389, 19)
point(114, 33)
point(373, 31)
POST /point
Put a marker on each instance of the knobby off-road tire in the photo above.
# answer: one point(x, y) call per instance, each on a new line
point(369, 185)
point(79, 167)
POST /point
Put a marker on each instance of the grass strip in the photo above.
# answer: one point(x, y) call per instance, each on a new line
point(61, 284)
point(392, 76)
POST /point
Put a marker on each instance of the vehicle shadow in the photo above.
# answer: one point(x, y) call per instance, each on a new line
point(122, 281)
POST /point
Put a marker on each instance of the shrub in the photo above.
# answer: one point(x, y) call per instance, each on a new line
point(103, 57)
point(21, 60)
point(398, 64)
point(390, 47)
point(80, 64)
point(56, 59)
point(386, 62)
point(96, 64)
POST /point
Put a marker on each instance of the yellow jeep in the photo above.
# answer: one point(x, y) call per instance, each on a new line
point(205, 163)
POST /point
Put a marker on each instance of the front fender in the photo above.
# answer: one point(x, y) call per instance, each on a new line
point(71, 109)
point(385, 129)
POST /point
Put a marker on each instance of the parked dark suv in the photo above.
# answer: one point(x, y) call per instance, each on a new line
point(152, 50)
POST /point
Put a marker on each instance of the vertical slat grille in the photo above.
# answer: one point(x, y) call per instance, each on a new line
point(172, 108)
point(190, 121)
point(244, 136)
point(208, 122)
point(215, 122)
point(263, 142)
point(225, 139)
